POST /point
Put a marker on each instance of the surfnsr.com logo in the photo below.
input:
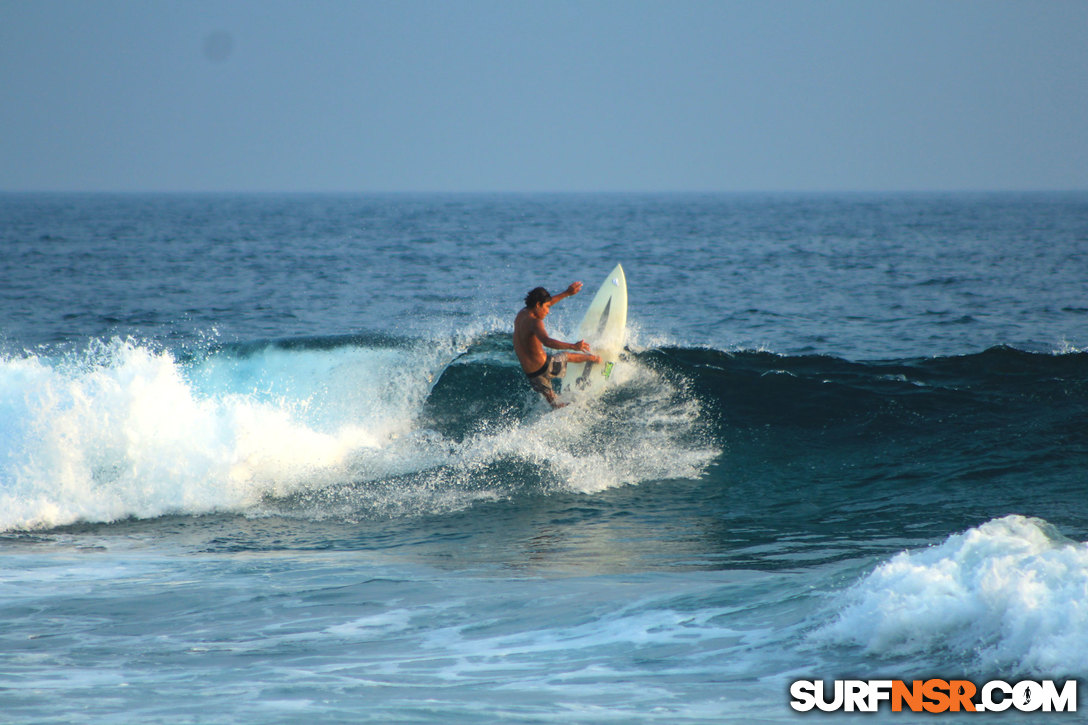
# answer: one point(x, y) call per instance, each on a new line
point(934, 696)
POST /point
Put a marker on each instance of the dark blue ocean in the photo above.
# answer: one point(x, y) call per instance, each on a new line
point(270, 459)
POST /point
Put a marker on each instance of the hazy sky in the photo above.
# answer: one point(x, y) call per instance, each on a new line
point(539, 95)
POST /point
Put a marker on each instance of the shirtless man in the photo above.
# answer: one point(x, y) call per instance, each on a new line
point(530, 339)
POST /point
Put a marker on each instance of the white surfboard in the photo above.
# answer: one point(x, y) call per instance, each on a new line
point(605, 329)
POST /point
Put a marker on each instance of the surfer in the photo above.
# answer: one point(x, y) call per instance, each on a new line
point(530, 339)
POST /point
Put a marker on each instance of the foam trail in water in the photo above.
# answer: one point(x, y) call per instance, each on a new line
point(1012, 591)
point(647, 431)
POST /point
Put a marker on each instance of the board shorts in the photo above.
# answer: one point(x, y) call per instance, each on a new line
point(554, 367)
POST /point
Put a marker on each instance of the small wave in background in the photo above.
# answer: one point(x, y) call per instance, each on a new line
point(1006, 598)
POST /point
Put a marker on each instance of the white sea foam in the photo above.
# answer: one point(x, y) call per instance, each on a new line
point(1068, 348)
point(126, 430)
point(603, 443)
point(1012, 592)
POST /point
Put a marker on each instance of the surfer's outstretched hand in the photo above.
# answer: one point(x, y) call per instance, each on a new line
point(575, 288)
point(581, 346)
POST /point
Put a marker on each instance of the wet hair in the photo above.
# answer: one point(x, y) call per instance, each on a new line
point(537, 296)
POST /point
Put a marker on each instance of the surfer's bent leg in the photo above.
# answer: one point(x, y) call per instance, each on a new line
point(541, 380)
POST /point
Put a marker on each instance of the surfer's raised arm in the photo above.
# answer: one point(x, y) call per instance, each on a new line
point(573, 289)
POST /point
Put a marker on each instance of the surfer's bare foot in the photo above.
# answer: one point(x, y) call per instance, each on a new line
point(595, 358)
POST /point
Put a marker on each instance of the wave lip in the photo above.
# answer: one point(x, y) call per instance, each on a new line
point(1011, 591)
